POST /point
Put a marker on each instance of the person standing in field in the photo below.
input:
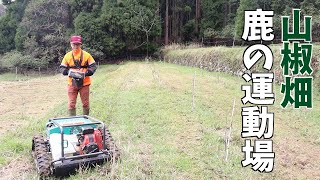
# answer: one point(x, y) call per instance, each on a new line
point(78, 65)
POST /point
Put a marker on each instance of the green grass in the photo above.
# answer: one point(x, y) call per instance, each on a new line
point(148, 109)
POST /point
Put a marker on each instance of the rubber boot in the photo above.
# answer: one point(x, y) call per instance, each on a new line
point(86, 111)
point(72, 112)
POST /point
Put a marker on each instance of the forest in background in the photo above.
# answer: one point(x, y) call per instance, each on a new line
point(35, 33)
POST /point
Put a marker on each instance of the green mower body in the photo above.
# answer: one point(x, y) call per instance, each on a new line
point(72, 142)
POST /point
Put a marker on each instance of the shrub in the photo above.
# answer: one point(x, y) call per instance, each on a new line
point(96, 54)
point(16, 59)
point(210, 33)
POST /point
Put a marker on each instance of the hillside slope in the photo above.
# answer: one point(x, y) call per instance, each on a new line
point(148, 108)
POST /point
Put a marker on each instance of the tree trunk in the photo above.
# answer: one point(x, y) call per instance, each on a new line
point(174, 20)
point(147, 34)
point(166, 36)
point(226, 13)
point(197, 19)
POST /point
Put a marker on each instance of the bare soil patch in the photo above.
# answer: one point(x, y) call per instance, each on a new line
point(16, 169)
point(297, 157)
point(32, 98)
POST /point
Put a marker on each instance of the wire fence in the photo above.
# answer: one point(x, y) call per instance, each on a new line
point(129, 56)
point(54, 69)
point(234, 42)
point(35, 71)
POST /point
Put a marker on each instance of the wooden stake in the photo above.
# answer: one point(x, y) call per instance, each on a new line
point(193, 91)
point(228, 138)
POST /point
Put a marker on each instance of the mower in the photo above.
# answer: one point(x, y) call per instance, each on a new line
point(71, 143)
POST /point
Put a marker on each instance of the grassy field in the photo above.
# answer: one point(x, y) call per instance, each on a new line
point(148, 108)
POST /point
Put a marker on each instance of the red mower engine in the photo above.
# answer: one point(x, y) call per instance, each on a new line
point(90, 140)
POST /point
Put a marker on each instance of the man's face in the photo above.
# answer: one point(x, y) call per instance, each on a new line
point(75, 46)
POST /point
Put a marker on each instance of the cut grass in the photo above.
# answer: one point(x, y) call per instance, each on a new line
point(148, 109)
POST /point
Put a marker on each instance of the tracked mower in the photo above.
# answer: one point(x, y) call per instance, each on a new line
point(70, 143)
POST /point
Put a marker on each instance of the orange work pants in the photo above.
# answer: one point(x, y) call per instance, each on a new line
point(73, 93)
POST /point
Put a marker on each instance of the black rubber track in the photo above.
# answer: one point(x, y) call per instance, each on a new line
point(111, 146)
point(41, 157)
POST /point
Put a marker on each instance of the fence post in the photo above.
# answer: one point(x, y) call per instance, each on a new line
point(16, 73)
point(193, 91)
point(228, 137)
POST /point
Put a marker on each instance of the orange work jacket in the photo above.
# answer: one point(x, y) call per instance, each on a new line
point(87, 60)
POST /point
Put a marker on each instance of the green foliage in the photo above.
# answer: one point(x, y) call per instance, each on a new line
point(187, 9)
point(311, 8)
point(98, 34)
point(277, 26)
point(140, 23)
point(42, 34)
point(7, 33)
point(96, 54)
point(126, 26)
point(212, 14)
point(264, 4)
point(78, 6)
point(278, 6)
point(281, 8)
point(218, 16)
point(210, 33)
point(16, 59)
point(188, 30)
point(244, 5)
point(228, 31)
point(9, 23)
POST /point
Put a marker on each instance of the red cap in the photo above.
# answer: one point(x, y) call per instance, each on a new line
point(76, 39)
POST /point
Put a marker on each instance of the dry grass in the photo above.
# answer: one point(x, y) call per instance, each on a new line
point(175, 46)
point(228, 59)
point(31, 98)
